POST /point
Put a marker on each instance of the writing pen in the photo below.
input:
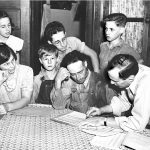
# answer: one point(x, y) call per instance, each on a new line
point(89, 116)
point(129, 147)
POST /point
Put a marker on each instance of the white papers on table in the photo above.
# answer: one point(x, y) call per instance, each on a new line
point(137, 141)
point(73, 118)
point(111, 142)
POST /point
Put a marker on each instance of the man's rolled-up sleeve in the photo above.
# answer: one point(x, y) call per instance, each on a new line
point(119, 104)
point(141, 110)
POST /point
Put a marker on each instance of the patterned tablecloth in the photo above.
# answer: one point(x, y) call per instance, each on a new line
point(31, 128)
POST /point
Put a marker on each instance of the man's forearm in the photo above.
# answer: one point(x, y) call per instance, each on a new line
point(95, 63)
point(106, 109)
point(57, 98)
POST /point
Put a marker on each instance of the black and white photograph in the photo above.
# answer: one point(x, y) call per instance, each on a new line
point(74, 75)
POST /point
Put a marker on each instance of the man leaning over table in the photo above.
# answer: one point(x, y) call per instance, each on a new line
point(133, 80)
point(76, 87)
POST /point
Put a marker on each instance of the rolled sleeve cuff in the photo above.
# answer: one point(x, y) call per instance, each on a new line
point(58, 102)
point(115, 104)
point(122, 122)
point(82, 47)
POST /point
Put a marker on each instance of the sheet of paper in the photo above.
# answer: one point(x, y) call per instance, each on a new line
point(112, 142)
point(137, 141)
point(72, 118)
point(90, 127)
point(102, 131)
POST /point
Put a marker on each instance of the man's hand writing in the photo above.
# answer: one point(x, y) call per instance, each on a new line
point(93, 111)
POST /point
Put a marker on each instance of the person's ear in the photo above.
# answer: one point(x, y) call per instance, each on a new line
point(57, 59)
point(40, 60)
point(49, 42)
point(122, 30)
point(85, 64)
point(131, 78)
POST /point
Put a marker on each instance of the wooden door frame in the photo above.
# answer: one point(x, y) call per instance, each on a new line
point(25, 31)
point(94, 33)
point(146, 35)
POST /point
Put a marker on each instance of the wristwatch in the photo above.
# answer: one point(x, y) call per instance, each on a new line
point(105, 122)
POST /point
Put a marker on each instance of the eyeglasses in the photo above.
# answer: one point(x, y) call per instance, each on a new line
point(58, 42)
point(78, 73)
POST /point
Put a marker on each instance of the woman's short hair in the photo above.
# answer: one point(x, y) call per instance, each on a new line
point(4, 14)
point(5, 53)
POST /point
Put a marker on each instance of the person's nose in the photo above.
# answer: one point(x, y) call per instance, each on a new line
point(78, 76)
point(107, 31)
point(49, 61)
point(62, 43)
point(112, 82)
point(8, 28)
point(11, 65)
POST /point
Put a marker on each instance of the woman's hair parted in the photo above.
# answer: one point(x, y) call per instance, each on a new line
point(5, 53)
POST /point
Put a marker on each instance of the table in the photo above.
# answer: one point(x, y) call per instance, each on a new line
point(31, 128)
point(29, 131)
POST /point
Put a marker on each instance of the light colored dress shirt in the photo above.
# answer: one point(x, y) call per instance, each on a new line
point(140, 102)
point(15, 43)
point(11, 90)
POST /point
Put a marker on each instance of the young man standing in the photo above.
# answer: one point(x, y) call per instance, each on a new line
point(115, 25)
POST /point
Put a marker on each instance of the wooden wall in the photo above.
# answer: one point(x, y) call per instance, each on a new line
point(19, 11)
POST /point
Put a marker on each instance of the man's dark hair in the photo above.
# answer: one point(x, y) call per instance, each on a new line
point(5, 53)
point(119, 18)
point(53, 28)
point(73, 57)
point(128, 64)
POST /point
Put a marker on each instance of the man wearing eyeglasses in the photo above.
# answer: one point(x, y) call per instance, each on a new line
point(76, 87)
point(55, 34)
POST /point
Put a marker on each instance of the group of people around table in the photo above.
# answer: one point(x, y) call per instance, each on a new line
point(118, 84)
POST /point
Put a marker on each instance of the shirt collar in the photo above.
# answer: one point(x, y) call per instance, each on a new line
point(138, 76)
point(117, 45)
point(86, 82)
